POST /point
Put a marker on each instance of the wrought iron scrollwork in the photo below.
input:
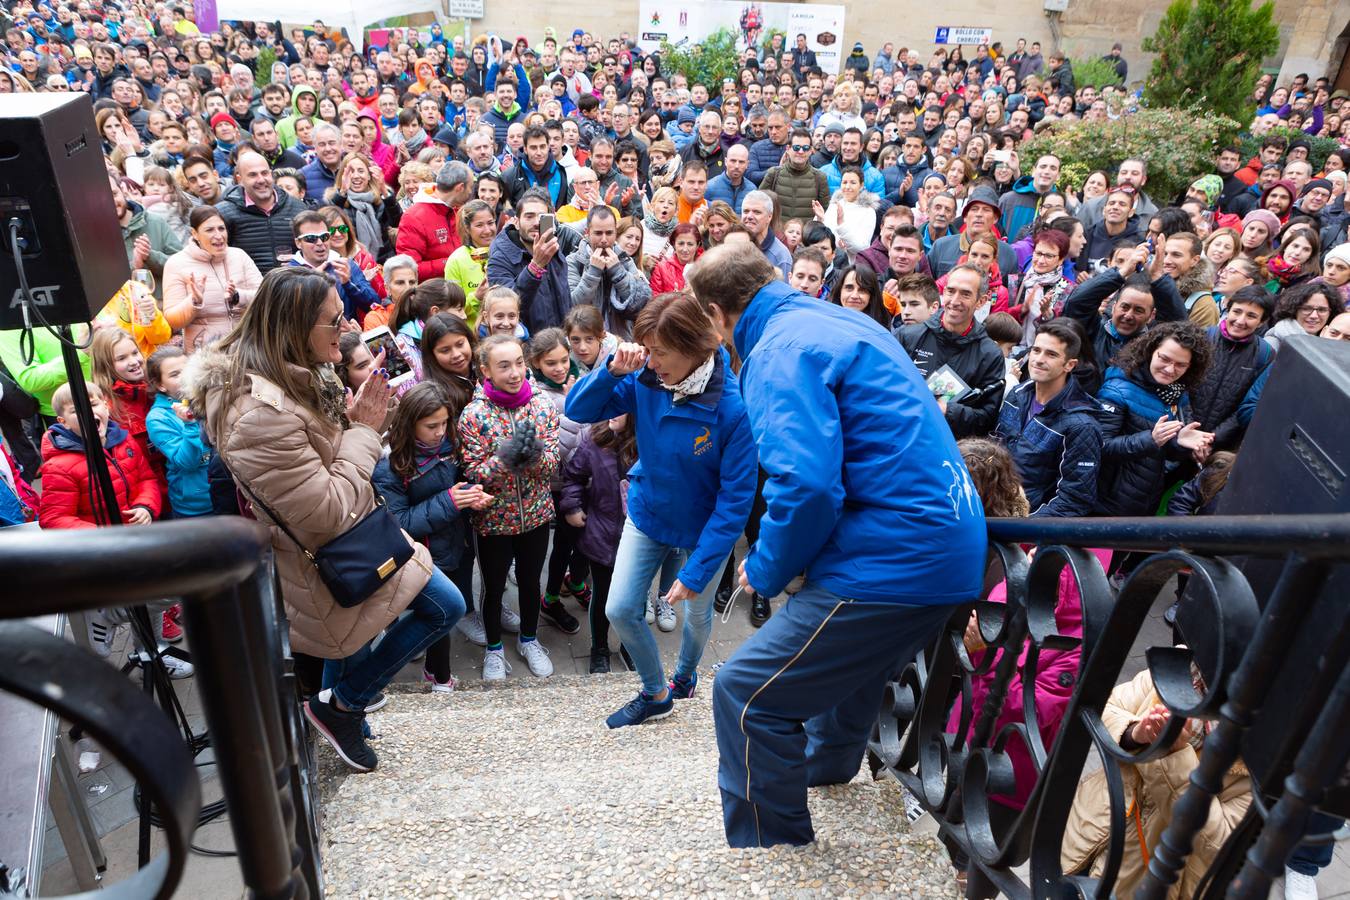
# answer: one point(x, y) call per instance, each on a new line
point(955, 726)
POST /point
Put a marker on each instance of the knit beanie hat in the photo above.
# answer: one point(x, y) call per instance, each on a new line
point(1212, 185)
point(222, 117)
point(1265, 217)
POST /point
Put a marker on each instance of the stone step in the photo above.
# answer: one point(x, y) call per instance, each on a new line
point(521, 791)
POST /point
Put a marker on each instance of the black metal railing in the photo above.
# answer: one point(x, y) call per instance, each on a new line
point(221, 567)
point(1248, 607)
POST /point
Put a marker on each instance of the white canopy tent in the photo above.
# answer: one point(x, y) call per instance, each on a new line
point(349, 14)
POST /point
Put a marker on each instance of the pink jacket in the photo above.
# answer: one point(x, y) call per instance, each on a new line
point(215, 317)
point(1056, 678)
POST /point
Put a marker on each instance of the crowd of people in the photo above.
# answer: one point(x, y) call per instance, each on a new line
point(554, 405)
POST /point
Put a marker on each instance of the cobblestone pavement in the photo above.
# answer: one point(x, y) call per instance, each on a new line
point(521, 791)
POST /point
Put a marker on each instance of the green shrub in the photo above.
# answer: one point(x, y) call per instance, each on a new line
point(1209, 55)
point(263, 76)
point(1094, 72)
point(1178, 145)
point(1319, 148)
point(706, 62)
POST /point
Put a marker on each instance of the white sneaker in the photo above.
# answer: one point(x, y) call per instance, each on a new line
point(510, 621)
point(471, 626)
point(665, 615)
point(102, 630)
point(495, 666)
point(651, 612)
point(535, 655)
point(1298, 886)
point(177, 668)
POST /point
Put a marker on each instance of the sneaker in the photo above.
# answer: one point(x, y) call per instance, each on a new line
point(178, 669)
point(172, 631)
point(471, 626)
point(555, 612)
point(535, 655)
point(579, 591)
point(436, 687)
point(599, 662)
point(641, 709)
point(665, 615)
point(102, 630)
point(723, 599)
point(342, 730)
point(379, 701)
point(651, 612)
point(1298, 886)
point(759, 610)
point(495, 666)
point(510, 621)
point(683, 688)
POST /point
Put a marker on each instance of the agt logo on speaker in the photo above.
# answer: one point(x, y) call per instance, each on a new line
point(43, 295)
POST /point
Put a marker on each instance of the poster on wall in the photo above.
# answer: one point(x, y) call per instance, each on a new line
point(690, 21)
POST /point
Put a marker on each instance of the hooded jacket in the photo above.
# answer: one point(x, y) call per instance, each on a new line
point(619, 292)
point(429, 233)
point(973, 356)
point(216, 317)
point(315, 475)
point(873, 180)
point(1057, 452)
point(259, 233)
point(544, 302)
point(423, 507)
point(523, 500)
point(833, 403)
point(186, 458)
point(384, 156)
point(695, 477)
point(1134, 468)
point(286, 127)
point(860, 221)
point(1196, 288)
point(592, 483)
point(1018, 207)
point(1226, 400)
point(163, 242)
point(553, 179)
point(66, 488)
point(501, 120)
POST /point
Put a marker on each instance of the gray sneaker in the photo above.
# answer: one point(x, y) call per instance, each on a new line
point(471, 626)
point(665, 615)
point(495, 666)
point(510, 621)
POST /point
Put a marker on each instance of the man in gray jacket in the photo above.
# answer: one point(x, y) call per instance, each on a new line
point(601, 274)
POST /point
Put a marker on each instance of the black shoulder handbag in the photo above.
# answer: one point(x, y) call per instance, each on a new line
point(358, 562)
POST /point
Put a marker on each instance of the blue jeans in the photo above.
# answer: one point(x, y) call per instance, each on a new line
point(638, 560)
point(432, 613)
point(1309, 859)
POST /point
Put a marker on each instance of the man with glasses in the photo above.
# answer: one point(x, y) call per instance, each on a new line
point(314, 238)
point(796, 182)
point(770, 152)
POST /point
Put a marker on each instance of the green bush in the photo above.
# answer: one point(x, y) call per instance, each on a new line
point(263, 76)
point(1319, 148)
point(706, 62)
point(1094, 72)
point(1178, 145)
point(1209, 55)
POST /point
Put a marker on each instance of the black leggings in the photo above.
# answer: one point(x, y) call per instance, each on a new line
point(566, 557)
point(601, 576)
point(495, 554)
point(438, 654)
point(757, 510)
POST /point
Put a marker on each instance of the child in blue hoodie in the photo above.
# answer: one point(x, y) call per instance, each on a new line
point(178, 435)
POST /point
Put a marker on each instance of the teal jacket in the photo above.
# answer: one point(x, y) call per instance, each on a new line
point(186, 457)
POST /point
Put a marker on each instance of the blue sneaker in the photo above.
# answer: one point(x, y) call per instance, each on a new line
point(683, 688)
point(641, 708)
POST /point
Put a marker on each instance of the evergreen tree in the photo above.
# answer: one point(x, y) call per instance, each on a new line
point(1209, 54)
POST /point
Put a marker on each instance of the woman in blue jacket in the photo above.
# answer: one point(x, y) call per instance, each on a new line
point(689, 493)
point(1147, 427)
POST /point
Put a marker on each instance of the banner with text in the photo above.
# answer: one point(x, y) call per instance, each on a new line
point(963, 36)
point(690, 21)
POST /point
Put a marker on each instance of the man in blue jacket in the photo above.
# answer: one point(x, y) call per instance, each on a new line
point(836, 409)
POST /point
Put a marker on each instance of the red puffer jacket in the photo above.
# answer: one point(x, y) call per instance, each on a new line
point(429, 233)
point(66, 497)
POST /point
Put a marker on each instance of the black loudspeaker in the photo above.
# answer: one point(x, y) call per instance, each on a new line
point(54, 184)
point(1295, 459)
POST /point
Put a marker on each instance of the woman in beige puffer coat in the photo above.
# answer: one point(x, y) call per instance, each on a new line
point(275, 412)
point(1151, 790)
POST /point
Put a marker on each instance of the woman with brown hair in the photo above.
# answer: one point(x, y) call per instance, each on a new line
point(303, 455)
point(690, 492)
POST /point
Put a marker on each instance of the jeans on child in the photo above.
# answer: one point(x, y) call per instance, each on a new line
point(637, 562)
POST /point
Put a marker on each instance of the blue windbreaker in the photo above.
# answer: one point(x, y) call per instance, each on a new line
point(695, 476)
point(866, 490)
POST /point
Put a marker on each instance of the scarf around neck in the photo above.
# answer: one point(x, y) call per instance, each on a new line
point(366, 220)
point(660, 229)
point(572, 372)
point(1280, 270)
point(693, 384)
point(1223, 330)
point(507, 400)
point(1169, 394)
